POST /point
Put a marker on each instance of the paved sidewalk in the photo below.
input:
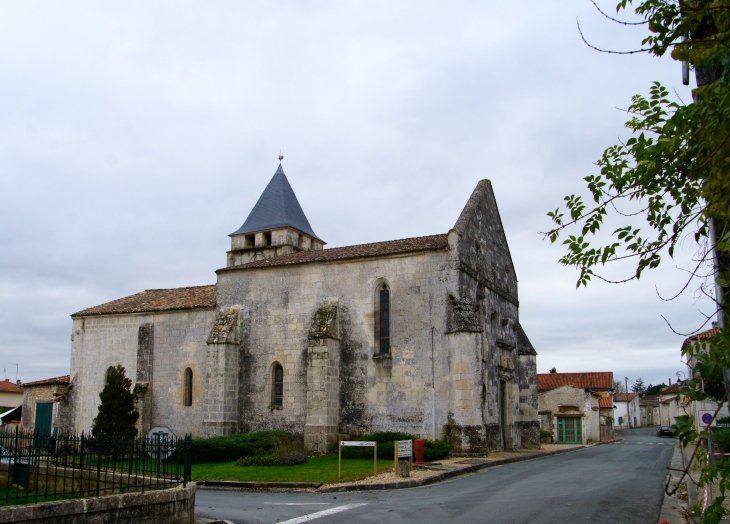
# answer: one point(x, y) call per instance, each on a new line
point(674, 509)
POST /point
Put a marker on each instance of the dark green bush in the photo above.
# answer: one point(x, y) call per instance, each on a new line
point(292, 458)
point(721, 437)
point(260, 460)
point(433, 450)
point(233, 447)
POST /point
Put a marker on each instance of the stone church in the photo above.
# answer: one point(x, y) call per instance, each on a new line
point(419, 335)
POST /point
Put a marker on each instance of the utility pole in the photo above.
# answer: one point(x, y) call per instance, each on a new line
point(628, 411)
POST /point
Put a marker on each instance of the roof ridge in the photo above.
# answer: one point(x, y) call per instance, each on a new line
point(398, 246)
point(171, 288)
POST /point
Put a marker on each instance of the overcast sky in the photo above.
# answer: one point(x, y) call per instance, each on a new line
point(135, 136)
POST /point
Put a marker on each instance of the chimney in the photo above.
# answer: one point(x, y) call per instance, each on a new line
point(714, 325)
point(670, 381)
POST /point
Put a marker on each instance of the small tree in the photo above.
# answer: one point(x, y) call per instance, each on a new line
point(117, 411)
point(618, 386)
point(638, 386)
point(553, 370)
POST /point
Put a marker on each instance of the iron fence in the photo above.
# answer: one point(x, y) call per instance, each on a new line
point(38, 467)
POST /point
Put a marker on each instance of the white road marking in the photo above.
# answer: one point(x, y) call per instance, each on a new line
point(323, 513)
point(299, 503)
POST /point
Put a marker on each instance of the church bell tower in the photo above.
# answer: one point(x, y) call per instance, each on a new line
point(276, 226)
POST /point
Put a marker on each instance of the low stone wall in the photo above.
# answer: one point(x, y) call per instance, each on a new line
point(168, 506)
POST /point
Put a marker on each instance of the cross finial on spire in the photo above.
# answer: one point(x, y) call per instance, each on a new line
point(281, 157)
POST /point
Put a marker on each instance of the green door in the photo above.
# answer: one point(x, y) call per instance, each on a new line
point(570, 430)
point(43, 416)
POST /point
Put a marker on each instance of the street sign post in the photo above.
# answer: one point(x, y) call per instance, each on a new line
point(404, 449)
point(357, 444)
point(705, 417)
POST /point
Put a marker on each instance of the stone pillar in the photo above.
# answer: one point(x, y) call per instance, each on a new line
point(143, 382)
point(323, 381)
point(222, 364)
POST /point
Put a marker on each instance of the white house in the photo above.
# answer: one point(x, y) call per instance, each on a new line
point(626, 413)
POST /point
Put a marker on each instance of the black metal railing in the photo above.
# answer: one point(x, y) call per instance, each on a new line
point(38, 467)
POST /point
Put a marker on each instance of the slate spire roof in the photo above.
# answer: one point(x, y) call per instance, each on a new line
point(277, 207)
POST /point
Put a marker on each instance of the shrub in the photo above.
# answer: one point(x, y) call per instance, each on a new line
point(260, 460)
point(293, 458)
point(233, 447)
point(721, 437)
point(435, 450)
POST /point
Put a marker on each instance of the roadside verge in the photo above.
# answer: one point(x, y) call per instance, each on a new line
point(379, 486)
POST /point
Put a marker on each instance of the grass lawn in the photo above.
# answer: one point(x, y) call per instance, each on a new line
point(316, 469)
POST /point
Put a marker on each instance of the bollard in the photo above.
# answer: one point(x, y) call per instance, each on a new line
point(419, 449)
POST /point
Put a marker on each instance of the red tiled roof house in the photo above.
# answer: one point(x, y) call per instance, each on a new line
point(576, 408)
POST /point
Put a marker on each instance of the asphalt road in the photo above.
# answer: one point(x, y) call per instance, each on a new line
point(614, 483)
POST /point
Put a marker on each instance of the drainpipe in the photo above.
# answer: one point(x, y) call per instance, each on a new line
point(433, 390)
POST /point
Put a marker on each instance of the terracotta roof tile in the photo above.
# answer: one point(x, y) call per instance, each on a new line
point(377, 249)
point(605, 402)
point(622, 397)
point(9, 387)
point(701, 336)
point(156, 300)
point(669, 390)
point(66, 379)
point(591, 380)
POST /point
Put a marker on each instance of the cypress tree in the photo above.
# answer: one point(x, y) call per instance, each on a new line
point(117, 411)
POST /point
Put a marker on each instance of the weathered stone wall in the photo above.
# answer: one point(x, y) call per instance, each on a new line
point(488, 283)
point(556, 401)
point(179, 342)
point(381, 394)
point(31, 395)
point(168, 506)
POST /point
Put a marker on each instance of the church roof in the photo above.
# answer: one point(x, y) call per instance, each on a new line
point(277, 207)
point(376, 249)
point(156, 300)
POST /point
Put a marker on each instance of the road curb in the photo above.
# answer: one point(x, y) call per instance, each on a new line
point(673, 509)
point(233, 484)
point(442, 476)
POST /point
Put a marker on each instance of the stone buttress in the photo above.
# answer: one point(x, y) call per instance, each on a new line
point(220, 408)
point(323, 381)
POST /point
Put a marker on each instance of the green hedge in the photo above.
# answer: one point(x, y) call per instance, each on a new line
point(234, 447)
point(433, 450)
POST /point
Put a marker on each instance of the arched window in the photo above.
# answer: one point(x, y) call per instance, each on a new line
point(188, 388)
point(382, 319)
point(277, 383)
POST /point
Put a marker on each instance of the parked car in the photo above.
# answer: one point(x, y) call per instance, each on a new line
point(664, 431)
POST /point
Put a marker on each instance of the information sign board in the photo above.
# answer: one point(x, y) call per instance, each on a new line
point(405, 449)
point(359, 444)
point(160, 442)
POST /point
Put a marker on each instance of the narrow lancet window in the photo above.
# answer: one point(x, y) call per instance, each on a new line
point(277, 391)
point(188, 389)
point(384, 319)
